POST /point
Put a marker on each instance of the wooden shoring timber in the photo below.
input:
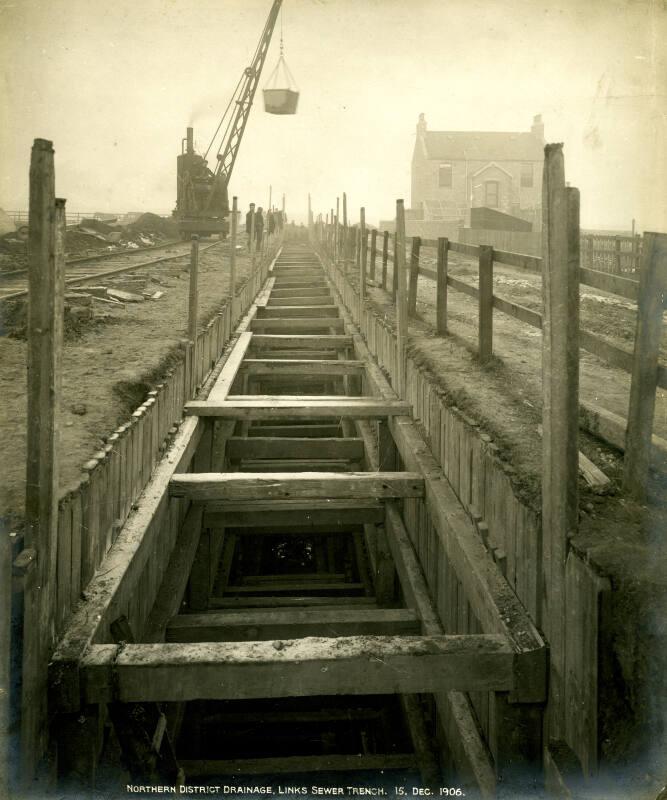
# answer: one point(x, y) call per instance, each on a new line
point(225, 380)
point(319, 430)
point(300, 366)
point(108, 592)
point(295, 765)
point(491, 599)
point(172, 588)
point(208, 486)
point(294, 324)
point(303, 407)
point(297, 311)
point(291, 602)
point(307, 667)
point(303, 587)
point(297, 513)
point(269, 624)
point(282, 294)
point(301, 341)
point(294, 448)
point(299, 300)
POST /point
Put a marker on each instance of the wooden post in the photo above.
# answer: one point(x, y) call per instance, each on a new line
point(560, 407)
point(46, 288)
point(358, 246)
point(485, 298)
point(232, 259)
point(394, 273)
point(414, 275)
point(337, 244)
point(5, 661)
point(652, 288)
point(401, 297)
point(374, 236)
point(441, 287)
point(363, 241)
point(385, 257)
point(310, 213)
point(194, 292)
point(617, 254)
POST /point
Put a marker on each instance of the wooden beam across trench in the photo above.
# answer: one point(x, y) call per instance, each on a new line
point(350, 665)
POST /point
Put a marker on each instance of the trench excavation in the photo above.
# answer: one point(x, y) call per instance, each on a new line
point(264, 612)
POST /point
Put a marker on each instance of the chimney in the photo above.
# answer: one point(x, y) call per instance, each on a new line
point(537, 128)
point(421, 125)
point(190, 142)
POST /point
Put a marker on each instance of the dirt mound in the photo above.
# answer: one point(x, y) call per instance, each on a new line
point(152, 223)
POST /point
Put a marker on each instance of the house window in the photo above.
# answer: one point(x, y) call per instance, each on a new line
point(491, 193)
point(527, 176)
point(445, 176)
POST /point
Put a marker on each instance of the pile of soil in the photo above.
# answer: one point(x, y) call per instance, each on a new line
point(93, 237)
point(152, 223)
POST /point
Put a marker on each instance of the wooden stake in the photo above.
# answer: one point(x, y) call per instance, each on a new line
point(652, 287)
point(394, 273)
point(46, 284)
point(5, 642)
point(194, 292)
point(337, 243)
point(385, 257)
point(560, 392)
point(232, 258)
point(362, 255)
point(441, 298)
point(401, 296)
point(252, 233)
point(414, 275)
point(485, 324)
point(374, 236)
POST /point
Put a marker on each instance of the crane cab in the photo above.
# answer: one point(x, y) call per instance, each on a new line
point(202, 205)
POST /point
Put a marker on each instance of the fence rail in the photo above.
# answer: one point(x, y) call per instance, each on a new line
point(616, 284)
point(618, 255)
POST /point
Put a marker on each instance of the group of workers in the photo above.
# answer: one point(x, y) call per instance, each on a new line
point(275, 219)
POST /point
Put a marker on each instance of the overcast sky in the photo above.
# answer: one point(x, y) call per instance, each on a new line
point(114, 84)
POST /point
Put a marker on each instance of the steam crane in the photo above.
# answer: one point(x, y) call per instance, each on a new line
point(202, 202)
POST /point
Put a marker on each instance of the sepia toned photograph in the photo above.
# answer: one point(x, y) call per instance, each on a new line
point(333, 399)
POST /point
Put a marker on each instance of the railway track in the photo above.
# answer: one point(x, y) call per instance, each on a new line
point(14, 285)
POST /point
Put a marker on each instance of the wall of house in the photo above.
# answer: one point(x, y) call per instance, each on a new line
point(513, 196)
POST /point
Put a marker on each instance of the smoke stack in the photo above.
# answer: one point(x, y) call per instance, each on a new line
point(421, 125)
point(190, 145)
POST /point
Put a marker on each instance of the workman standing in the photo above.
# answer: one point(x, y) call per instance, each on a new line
point(248, 222)
point(271, 221)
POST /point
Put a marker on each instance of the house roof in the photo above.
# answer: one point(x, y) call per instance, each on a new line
point(482, 146)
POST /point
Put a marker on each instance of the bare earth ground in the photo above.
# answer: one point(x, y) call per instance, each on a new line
point(623, 540)
point(108, 368)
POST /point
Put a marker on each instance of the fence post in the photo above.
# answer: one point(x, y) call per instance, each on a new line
point(374, 236)
point(5, 660)
point(560, 409)
point(394, 272)
point(193, 296)
point(485, 298)
point(337, 241)
point(617, 254)
point(441, 287)
point(652, 287)
point(46, 287)
point(401, 298)
point(414, 275)
point(385, 257)
point(362, 265)
point(232, 260)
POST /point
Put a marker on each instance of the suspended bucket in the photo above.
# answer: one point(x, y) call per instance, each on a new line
point(281, 95)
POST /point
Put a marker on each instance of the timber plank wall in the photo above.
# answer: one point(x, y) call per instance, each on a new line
point(510, 529)
point(91, 516)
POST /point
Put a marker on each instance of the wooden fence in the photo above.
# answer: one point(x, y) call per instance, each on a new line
point(617, 255)
point(511, 531)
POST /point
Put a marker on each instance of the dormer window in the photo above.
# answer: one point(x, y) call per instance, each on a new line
point(445, 176)
point(527, 176)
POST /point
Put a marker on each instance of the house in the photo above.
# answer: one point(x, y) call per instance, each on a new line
point(454, 171)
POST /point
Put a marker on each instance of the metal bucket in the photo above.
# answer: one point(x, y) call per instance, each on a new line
point(280, 101)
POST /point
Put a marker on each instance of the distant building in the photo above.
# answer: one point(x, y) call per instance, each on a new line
point(454, 171)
